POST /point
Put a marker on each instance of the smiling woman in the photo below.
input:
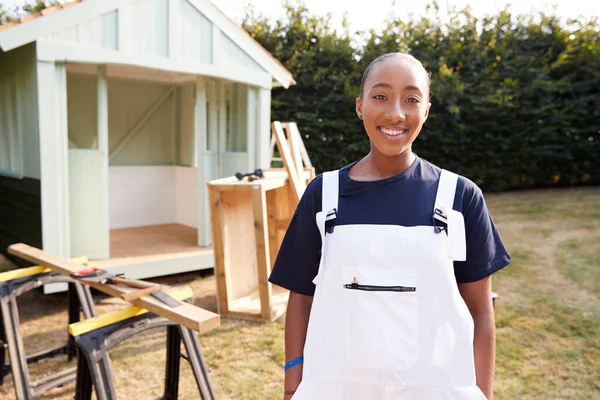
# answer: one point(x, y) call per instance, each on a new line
point(389, 261)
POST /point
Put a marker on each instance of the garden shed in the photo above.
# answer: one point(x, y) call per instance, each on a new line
point(114, 114)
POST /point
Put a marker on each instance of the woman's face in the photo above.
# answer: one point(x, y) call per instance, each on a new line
point(394, 105)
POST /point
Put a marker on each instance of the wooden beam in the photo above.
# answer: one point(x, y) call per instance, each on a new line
point(263, 257)
point(185, 314)
point(305, 157)
point(293, 137)
point(284, 150)
point(218, 227)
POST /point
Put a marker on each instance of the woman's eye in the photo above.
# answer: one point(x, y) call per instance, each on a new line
point(379, 97)
point(412, 100)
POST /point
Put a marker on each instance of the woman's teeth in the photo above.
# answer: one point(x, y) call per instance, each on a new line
point(393, 132)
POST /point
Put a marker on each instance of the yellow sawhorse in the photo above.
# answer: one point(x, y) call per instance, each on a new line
point(95, 337)
point(12, 285)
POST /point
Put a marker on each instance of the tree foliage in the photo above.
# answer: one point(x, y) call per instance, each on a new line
point(515, 99)
point(28, 8)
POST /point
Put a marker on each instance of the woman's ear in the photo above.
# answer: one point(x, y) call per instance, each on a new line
point(359, 112)
point(427, 112)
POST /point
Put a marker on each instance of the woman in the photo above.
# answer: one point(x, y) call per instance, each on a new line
point(389, 263)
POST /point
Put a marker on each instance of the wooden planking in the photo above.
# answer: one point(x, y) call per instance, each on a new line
point(272, 202)
point(290, 167)
point(240, 242)
point(219, 240)
point(263, 259)
point(294, 140)
point(20, 214)
point(185, 314)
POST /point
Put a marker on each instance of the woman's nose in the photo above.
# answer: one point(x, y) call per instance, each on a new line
point(396, 112)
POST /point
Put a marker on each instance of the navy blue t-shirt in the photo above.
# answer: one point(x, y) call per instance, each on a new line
point(406, 199)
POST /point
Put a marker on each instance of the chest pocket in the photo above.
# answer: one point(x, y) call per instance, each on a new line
point(381, 317)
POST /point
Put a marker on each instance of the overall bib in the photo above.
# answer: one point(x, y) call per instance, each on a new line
point(387, 320)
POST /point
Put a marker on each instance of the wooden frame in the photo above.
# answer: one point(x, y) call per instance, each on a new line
point(249, 220)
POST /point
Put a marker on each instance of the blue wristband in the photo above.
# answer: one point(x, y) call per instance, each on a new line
point(295, 361)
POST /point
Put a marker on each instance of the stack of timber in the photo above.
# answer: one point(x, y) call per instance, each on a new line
point(249, 220)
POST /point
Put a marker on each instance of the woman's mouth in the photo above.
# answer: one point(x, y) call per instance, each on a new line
point(394, 133)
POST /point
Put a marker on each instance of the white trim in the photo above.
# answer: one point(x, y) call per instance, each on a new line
point(174, 28)
point(200, 161)
point(222, 142)
point(251, 127)
point(263, 129)
point(56, 52)
point(216, 45)
point(244, 41)
point(103, 135)
point(27, 32)
point(52, 108)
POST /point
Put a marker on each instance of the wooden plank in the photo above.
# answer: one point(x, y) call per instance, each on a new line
point(305, 157)
point(259, 200)
point(185, 314)
point(284, 150)
point(294, 140)
point(217, 224)
point(272, 206)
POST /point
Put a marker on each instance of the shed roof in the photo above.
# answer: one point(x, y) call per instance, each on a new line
point(15, 34)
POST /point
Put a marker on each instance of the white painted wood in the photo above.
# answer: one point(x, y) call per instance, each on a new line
point(186, 124)
point(114, 152)
point(170, 266)
point(222, 99)
point(216, 46)
point(213, 117)
point(263, 129)
point(200, 146)
point(174, 28)
point(251, 126)
point(142, 196)
point(103, 232)
point(153, 195)
point(51, 83)
point(232, 54)
point(49, 51)
point(244, 41)
point(187, 196)
point(235, 162)
point(30, 31)
point(145, 28)
point(196, 34)
point(111, 30)
point(88, 213)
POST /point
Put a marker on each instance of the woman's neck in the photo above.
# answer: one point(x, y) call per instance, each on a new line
point(376, 166)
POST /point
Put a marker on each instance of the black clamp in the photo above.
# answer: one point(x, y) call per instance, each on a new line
point(330, 221)
point(252, 176)
point(440, 221)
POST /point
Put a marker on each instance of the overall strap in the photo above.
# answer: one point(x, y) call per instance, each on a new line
point(327, 215)
point(455, 223)
point(329, 202)
point(446, 190)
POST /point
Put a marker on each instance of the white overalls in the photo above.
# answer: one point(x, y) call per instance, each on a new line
point(387, 320)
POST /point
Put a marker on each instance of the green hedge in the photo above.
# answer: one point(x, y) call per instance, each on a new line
point(515, 99)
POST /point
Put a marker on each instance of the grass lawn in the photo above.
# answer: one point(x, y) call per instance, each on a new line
point(547, 316)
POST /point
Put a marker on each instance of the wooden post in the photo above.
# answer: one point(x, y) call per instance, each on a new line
point(263, 256)
point(219, 243)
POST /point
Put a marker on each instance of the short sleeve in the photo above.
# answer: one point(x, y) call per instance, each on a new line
point(298, 259)
point(486, 253)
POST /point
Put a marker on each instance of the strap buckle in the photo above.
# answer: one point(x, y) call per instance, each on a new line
point(440, 220)
point(330, 221)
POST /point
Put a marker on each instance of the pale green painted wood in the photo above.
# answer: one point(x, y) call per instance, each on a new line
point(88, 217)
point(19, 136)
point(232, 53)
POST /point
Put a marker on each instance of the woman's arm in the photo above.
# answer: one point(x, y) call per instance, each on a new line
point(296, 324)
point(478, 297)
